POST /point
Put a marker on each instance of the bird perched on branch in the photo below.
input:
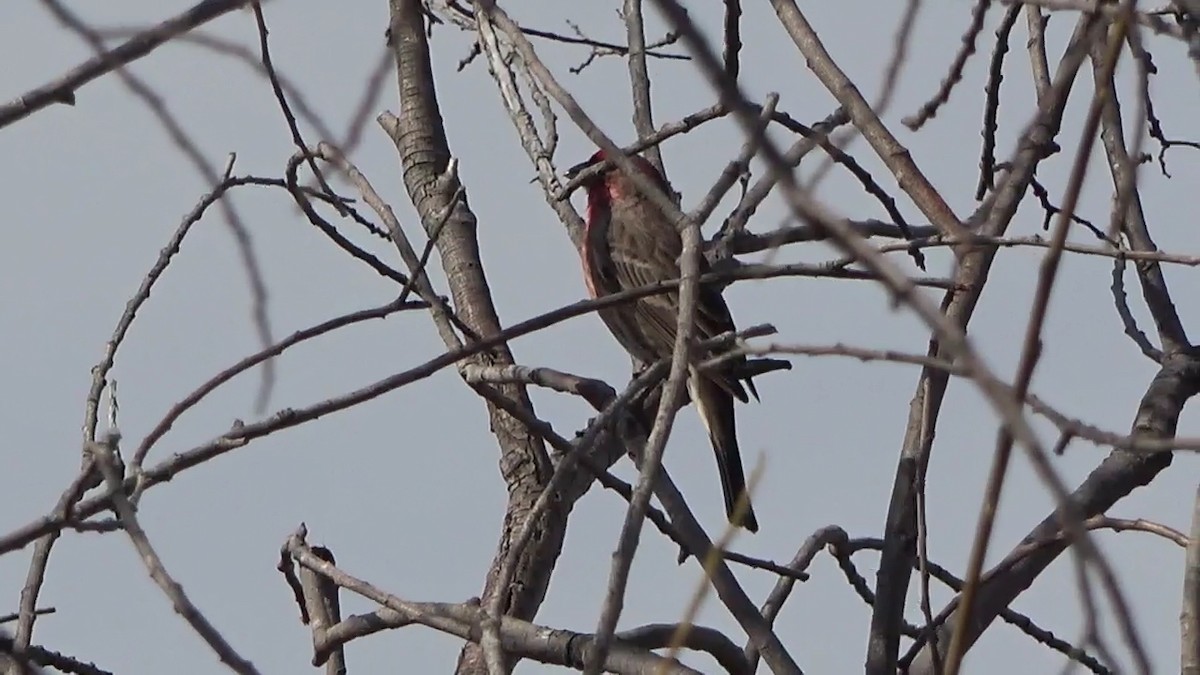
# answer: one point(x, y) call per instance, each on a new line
point(629, 242)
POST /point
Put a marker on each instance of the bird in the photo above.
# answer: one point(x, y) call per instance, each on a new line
point(629, 242)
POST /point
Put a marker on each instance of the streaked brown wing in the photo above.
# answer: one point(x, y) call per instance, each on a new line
point(643, 260)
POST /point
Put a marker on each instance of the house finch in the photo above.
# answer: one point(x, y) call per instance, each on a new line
point(630, 243)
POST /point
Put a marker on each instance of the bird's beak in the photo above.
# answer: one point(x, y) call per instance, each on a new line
point(578, 168)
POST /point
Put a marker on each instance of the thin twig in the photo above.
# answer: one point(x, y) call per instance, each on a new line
point(62, 90)
point(930, 108)
point(105, 454)
point(991, 105)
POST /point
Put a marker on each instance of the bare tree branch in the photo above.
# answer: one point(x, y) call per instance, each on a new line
point(1189, 614)
point(63, 89)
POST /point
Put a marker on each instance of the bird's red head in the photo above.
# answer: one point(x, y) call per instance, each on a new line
point(599, 156)
point(612, 183)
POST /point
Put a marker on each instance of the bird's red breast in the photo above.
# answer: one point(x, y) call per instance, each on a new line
point(602, 191)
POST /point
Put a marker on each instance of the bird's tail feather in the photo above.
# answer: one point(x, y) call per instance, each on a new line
point(715, 405)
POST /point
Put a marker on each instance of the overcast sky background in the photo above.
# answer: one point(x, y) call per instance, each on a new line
point(405, 488)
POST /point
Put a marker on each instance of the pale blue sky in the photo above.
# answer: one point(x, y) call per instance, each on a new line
point(410, 496)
